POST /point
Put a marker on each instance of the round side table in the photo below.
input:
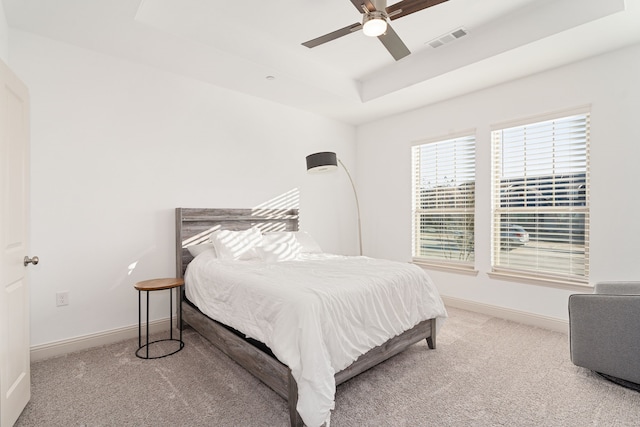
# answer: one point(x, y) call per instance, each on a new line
point(158, 285)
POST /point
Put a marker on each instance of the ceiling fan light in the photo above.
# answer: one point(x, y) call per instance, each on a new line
point(374, 26)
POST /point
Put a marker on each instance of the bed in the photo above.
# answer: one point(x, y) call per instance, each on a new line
point(246, 345)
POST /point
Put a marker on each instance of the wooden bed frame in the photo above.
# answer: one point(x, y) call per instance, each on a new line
point(193, 226)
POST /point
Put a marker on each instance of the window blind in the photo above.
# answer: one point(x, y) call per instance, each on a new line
point(541, 198)
point(444, 201)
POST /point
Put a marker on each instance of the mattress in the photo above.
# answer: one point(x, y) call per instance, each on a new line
point(317, 313)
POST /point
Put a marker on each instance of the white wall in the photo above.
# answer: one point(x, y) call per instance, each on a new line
point(117, 146)
point(4, 36)
point(609, 83)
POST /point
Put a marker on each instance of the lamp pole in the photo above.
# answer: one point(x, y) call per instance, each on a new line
point(355, 193)
point(328, 160)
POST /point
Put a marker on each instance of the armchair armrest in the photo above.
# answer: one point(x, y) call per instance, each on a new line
point(604, 334)
point(618, 288)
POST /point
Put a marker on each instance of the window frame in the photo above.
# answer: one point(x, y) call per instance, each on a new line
point(539, 275)
point(464, 266)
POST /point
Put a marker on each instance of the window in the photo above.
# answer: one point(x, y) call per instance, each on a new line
point(541, 199)
point(443, 201)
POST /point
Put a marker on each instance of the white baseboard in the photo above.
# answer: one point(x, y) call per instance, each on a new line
point(551, 323)
point(59, 348)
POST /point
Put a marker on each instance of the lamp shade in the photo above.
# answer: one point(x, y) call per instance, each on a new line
point(322, 162)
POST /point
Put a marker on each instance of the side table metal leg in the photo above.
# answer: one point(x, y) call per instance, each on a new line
point(171, 313)
point(180, 316)
point(139, 320)
point(147, 324)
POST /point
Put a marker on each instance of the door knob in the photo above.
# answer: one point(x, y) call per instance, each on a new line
point(35, 260)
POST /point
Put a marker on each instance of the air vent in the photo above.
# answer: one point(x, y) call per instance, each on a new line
point(446, 38)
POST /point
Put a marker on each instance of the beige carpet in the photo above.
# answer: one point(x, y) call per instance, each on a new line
point(485, 372)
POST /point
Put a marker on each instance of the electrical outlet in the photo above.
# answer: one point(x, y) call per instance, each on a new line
point(62, 298)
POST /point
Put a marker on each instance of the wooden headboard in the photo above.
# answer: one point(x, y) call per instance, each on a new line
point(194, 225)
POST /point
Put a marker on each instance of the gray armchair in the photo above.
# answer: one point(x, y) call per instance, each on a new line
point(604, 331)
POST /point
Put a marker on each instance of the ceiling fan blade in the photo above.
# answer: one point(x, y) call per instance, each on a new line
point(407, 7)
point(358, 4)
point(394, 44)
point(333, 35)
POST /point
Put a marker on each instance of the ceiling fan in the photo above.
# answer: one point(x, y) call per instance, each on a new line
point(375, 17)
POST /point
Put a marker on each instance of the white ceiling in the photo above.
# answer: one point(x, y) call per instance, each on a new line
point(353, 79)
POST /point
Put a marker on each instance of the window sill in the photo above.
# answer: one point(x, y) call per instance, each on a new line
point(572, 285)
point(450, 268)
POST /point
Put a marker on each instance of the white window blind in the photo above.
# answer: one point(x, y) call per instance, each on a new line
point(541, 199)
point(444, 201)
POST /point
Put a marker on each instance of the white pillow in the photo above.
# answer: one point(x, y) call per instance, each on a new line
point(308, 243)
point(280, 237)
point(236, 244)
point(196, 250)
point(300, 239)
point(278, 252)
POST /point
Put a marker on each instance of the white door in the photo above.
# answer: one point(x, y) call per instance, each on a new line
point(15, 379)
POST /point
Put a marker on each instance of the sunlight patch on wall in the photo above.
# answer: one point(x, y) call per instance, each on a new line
point(286, 200)
point(132, 267)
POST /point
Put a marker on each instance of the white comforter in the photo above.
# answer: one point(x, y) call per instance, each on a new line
point(318, 313)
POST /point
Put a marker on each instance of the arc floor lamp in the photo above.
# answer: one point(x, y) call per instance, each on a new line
point(326, 161)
